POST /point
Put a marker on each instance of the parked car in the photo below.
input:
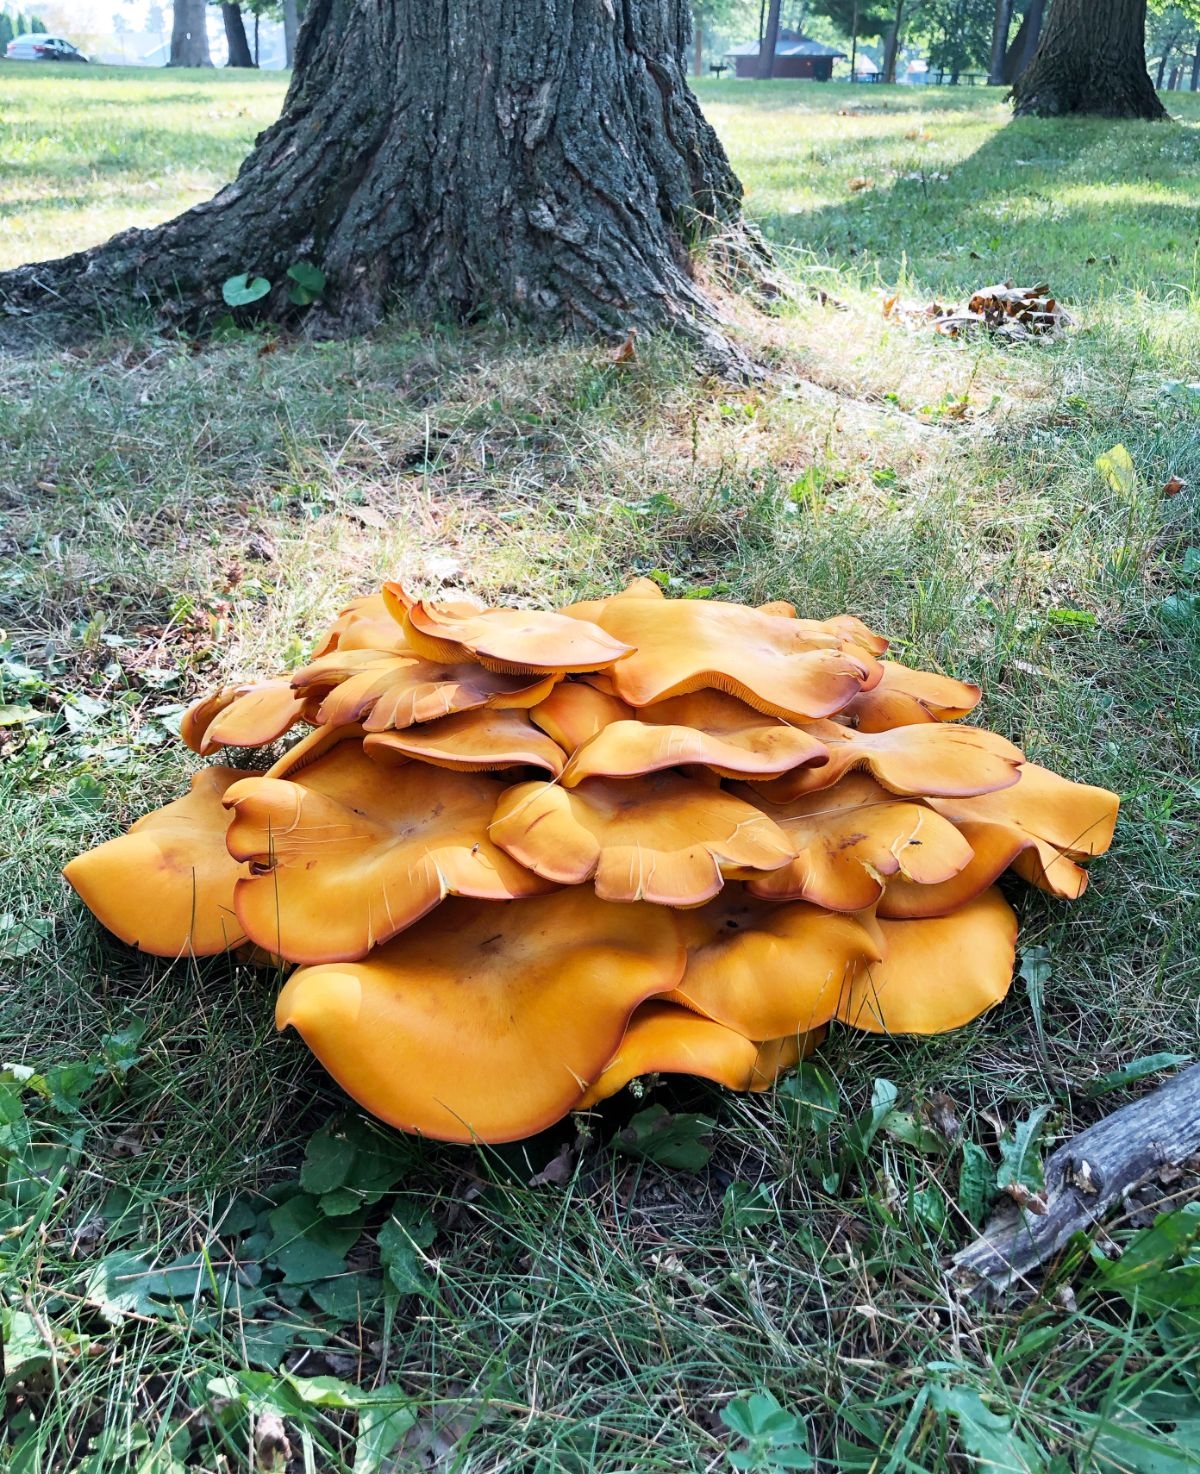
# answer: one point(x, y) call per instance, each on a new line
point(36, 47)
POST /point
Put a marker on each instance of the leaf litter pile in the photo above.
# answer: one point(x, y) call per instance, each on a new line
point(521, 858)
point(1005, 312)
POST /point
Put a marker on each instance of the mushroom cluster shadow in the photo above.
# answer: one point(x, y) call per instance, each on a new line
point(521, 858)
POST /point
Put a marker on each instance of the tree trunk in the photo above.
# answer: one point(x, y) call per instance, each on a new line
point(1196, 67)
point(257, 19)
point(189, 35)
point(545, 162)
point(892, 50)
point(235, 36)
point(1025, 42)
point(1091, 59)
point(1165, 58)
point(699, 62)
point(770, 40)
point(1000, 25)
point(290, 27)
point(854, 43)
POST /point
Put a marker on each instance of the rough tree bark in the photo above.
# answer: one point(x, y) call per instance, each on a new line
point(235, 36)
point(1000, 25)
point(457, 156)
point(290, 27)
point(1091, 59)
point(189, 35)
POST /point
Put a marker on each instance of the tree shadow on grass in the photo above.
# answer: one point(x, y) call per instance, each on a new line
point(1104, 206)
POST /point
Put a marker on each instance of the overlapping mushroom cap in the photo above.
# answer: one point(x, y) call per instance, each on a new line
point(524, 857)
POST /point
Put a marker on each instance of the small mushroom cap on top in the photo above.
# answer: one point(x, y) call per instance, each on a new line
point(907, 697)
point(791, 668)
point(242, 716)
point(706, 728)
point(483, 1021)
point(769, 970)
point(517, 640)
point(471, 741)
point(937, 973)
point(349, 853)
point(166, 886)
point(661, 838)
point(364, 624)
point(851, 839)
point(386, 692)
point(665, 1039)
point(915, 761)
point(575, 711)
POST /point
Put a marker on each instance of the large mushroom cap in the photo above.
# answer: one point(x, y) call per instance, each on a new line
point(906, 697)
point(1038, 828)
point(575, 711)
point(661, 838)
point(386, 692)
point(483, 1021)
point(792, 668)
point(664, 1039)
point(708, 728)
point(851, 839)
point(166, 886)
point(1075, 818)
point(517, 640)
point(937, 973)
point(996, 848)
point(917, 761)
point(768, 970)
point(471, 741)
point(242, 716)
point(349, 853)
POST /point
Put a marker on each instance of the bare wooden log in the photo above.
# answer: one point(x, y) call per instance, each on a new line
point(1085, 1177)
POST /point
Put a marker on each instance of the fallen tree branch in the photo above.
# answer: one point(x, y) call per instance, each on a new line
point(1085, 1177)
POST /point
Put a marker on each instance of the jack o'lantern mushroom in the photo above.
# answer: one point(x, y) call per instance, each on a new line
point(936, 973)
point(792, 668)
point(941, 761)
point(665, 1039)
point(1040, 828)
point(243, 716)
point(166, 885)
point(515, 640)
point(706, 728)
point(486, 1022)
point(906, 697)
point(661, 838)
point(768, 970)
point(851, 840)
point(346, 853)
point(751, 828)
point(386, 692)
point(471, 741)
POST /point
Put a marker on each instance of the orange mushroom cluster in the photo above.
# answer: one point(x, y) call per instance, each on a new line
point(522, 857)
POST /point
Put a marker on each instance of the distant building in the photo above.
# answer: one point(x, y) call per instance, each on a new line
point(795, 56)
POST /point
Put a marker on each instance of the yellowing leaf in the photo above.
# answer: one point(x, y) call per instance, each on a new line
point(1117, 468)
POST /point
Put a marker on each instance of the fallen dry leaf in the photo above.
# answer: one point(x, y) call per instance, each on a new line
point(860, 181)
point(1173, 486)
point(628, 348)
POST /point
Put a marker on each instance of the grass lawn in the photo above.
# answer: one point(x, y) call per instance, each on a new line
point(195, 1229)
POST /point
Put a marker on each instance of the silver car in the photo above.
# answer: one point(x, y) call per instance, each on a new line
point(37, 47)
